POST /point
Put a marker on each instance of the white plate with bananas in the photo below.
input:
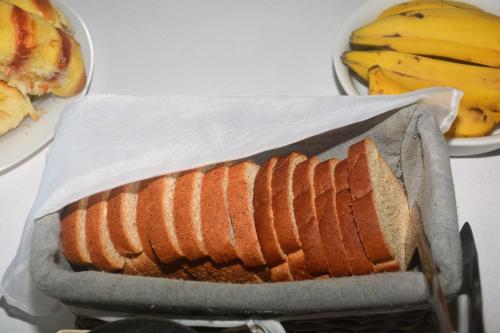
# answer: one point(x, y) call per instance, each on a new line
point(46, 63)
point(396, 46)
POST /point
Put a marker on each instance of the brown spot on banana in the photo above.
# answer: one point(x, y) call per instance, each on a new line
point(479, 112)
point(396, 35)
point(410, 14)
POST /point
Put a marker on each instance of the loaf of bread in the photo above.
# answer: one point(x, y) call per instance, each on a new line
point(295, 218)
point(35, 56)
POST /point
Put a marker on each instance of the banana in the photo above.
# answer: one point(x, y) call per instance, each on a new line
point(380, 84)
point(472, 119)
point(465, 35)
point(424, 4)
point(480, 84)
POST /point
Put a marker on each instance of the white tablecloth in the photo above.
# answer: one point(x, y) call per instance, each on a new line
point(226, 47)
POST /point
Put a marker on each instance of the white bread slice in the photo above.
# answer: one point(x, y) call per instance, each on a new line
point(304, 197)
point(73, 236)
point(282, 202)
point(103, 253)
point(380, 205)
point(329, 219)
point(240, 193)
point(263, 215)
point(157, 211)
point(216, 226)
point(187, 214)
point(356, 255)
point(122, 207)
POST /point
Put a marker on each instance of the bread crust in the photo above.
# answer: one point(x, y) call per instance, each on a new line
point(328, 219)
point(240, 198)
point(119, 231)
point(185, 229)
point(284, 219)
point(73, 241)
point(102, 258)
point(356, 255)
point(305, 215)
point(363, 203)
point(263, 215)
point(281, 273)
point(153, 211)
point(215, 219)
point(297, 263)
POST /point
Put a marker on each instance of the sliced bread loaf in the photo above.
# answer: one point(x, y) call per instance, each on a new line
point(157, 210)
point(73, 235)
point(102, 252)
point(329, 219)
point(187, 214)
point(216, 226)
point(263, 215)
point(379, 203)
point(282, 202)
point(305, 214)
point(122, 206)
point(240, 194)
point(356, 255)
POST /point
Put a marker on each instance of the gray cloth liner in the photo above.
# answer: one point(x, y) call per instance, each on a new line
point(412, 144)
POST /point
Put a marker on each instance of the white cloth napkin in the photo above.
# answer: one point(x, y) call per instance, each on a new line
point(106, 141)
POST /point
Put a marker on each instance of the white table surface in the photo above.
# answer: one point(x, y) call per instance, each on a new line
point(227, 47)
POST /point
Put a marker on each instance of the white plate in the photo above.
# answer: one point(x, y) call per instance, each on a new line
point(30, 136)
point(352, 86)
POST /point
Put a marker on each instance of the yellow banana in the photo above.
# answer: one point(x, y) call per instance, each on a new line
point(424, 4)
point(480, 84)
point(432, 47)
point(380, 84)
point(471, 36)
point(472, 120)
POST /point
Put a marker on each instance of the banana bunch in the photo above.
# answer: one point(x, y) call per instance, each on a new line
point(426, 43)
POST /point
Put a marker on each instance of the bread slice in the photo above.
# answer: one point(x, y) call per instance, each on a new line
point(305, 214)
point(240, 194)
point(379, 203)
point(208, 271)
point(147, 263)
point(329, 219)
point(73, 236)
point(187, 214)
point(216, 226)
point(157, 209)
point(122, 207)
point(102, 252)
point(356, 255)
point(299, 268)
point(263, 215)
point(282, 202)
point(281, 273)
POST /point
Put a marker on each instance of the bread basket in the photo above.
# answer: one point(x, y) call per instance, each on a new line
point(409, 139)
